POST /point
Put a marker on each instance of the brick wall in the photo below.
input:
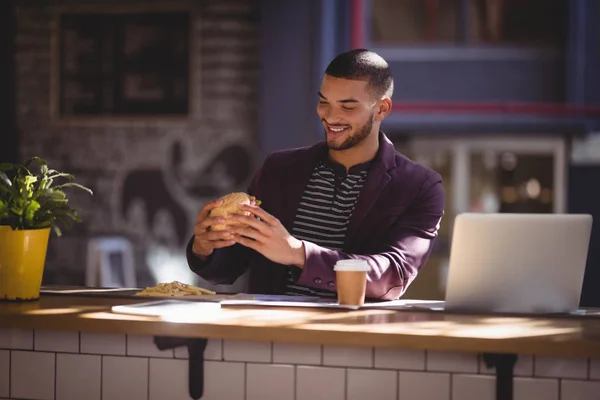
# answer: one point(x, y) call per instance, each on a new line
point(150, 176)
point(73, 365)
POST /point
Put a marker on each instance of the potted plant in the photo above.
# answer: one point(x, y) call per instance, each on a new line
point(32, 202)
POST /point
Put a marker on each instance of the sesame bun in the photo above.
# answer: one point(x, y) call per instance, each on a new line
point(231, 205)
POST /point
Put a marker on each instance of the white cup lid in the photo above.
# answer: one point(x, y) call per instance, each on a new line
point(351, 265)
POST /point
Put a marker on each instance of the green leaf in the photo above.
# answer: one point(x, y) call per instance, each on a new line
point(77, 185)
point(4, 179)
point(30, 211)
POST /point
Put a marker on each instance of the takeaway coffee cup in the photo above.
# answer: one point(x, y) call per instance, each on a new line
point(351, 277)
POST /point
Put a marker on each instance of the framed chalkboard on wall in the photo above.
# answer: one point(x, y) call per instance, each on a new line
point(123, 64)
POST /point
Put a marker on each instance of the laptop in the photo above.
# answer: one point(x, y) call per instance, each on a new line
point(517, 263)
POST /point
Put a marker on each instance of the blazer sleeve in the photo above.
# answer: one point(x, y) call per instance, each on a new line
point(226, 265)
point(397, 259)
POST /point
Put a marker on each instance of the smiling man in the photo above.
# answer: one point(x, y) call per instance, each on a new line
point(350, 196)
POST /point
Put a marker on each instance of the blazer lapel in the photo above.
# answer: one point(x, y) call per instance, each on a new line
point(376, 181)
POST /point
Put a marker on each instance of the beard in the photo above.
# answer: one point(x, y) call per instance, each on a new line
point(361, 134)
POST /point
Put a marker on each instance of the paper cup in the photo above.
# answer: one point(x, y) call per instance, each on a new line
point(351, 277)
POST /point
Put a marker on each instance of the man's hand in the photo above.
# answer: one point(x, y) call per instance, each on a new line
point(269, 237)
point(206, 241)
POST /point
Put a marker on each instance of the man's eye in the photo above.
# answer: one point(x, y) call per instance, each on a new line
point(348, 108)
point(322, 102)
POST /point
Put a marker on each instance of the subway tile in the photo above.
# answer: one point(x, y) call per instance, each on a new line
point(16, 339)
point(144, 346)
point(371, 384)
point(214, 350)
point(595, 368)
point(579, 390)
point(168, 379)
point(399, 359)
point(288, 353)
point(234, 350)
point(32, 375)
point(320, 383)
point(480, 387)
point(343, 356)
point(553, 367)
point(224, 380)
point(103, 343)
point(270, 382)
point(57, 341)
point(78, 377)
point(451, 362)
point(124, 378)
point(523, 366)
point(530, 388)
point(423, 386)
point(4, 372)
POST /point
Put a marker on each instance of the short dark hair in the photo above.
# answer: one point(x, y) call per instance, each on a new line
point(364, 65)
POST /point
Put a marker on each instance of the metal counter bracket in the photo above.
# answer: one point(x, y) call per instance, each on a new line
point(504, 364)
point(196, 349)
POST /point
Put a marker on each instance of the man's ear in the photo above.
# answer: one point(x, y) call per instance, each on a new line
point(383, 108)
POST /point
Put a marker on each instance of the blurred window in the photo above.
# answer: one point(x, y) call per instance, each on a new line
point(530, 23)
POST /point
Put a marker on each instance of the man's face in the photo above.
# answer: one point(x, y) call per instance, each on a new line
point(346, 110)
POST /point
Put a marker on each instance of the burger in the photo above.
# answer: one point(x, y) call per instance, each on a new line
point(231, 206)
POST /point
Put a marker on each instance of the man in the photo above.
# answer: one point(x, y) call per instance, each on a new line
point(350, 196)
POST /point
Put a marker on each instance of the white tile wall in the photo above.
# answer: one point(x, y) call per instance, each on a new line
point(535, 389)
point(4, 372)
point(257, 370)
point(124, 378)
point(579, 390)
point(16, 339)
point(168, 379)
point(234, 350)
point(561, 367)
point(474, 387)
point(348, 356)
point(595, 368)
point(320, 383)
point(270, 382)
point(224, 380)
point(371, 384)
point(423, 386)
point(57, 341)
point(451, 362)
point(400, 359)
point(144, 346)
point(523, 366)
point(289, 353)
point(32, 375)
point(103, 343)
point(78, 376)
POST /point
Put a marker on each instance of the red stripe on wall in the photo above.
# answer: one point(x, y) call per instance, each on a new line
point(357, 27)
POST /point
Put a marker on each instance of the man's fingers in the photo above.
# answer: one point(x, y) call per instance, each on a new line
point(207, 207)
point(262, 214)
point(251, 233)
point(251, 221)
point(223, 243)
point(203, 225)
point(253, 244)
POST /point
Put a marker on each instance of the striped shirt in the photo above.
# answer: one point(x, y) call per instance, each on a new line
point(324, 213)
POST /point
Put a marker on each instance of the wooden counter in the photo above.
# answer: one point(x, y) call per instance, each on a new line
point(426, 330)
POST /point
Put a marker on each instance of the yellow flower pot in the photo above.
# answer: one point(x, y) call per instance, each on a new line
point(22, 259)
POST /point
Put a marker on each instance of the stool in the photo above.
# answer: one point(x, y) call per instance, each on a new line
point(102, 270)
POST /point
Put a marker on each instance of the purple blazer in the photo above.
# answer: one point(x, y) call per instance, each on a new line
point(393, 226)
